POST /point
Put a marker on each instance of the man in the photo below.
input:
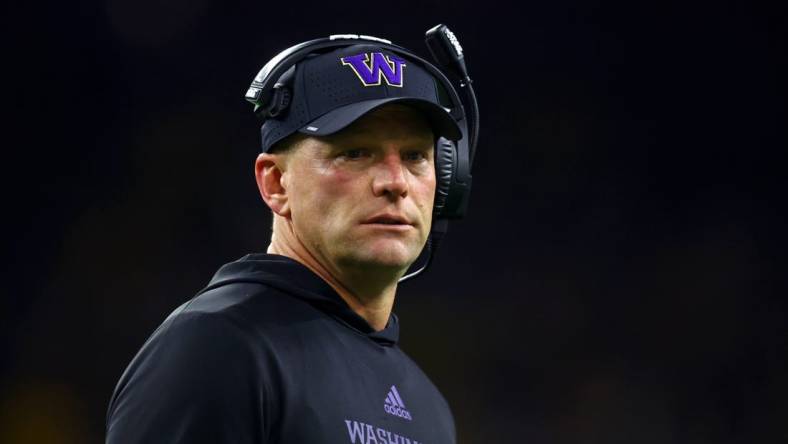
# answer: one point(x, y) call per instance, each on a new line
point(299, 345)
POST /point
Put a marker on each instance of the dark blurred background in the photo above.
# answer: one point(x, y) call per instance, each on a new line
point(619, 277)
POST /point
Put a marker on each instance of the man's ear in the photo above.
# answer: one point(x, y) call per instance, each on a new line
point(269, 172)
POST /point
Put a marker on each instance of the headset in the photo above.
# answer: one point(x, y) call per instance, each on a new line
point(270, 94)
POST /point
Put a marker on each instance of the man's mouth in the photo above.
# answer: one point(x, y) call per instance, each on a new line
point(388, 219)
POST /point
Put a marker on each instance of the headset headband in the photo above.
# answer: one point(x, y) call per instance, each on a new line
point(270, 73)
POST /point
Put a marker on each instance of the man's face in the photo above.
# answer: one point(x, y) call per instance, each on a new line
point(363, 197)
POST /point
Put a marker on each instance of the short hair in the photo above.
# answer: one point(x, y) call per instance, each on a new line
point(287, 144)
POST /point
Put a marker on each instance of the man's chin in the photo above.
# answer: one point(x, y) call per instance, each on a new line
point(390, 260)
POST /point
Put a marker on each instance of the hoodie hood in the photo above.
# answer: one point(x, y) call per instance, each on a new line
point(296, 280)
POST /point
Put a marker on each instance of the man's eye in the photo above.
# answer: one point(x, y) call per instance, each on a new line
point(354, 153)
point(415, 155)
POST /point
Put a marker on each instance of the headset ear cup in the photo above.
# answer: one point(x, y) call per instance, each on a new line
point(280, 101)
point(445, 164)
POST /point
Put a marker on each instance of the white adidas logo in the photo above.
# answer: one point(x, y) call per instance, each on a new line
point(395, 406)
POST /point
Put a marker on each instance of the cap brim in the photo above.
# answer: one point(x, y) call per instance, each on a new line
point(442, 123)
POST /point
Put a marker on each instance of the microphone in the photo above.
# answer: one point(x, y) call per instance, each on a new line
point(446, 50)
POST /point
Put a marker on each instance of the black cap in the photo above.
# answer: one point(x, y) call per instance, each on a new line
point(330, 91)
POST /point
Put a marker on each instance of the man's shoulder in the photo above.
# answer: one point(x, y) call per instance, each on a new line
point(211, 321)
point(232, 299)
point(257, 287)
point(219, 331)
point(246, 306)
point(204, 357)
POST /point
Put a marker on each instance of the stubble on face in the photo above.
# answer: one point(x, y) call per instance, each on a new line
point(380, 165)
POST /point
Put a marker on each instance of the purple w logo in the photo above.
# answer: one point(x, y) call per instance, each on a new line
point(370, 68)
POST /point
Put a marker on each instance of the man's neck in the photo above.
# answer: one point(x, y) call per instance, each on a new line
point(370, 298)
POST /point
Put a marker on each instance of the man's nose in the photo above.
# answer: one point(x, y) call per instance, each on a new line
point(389, 177)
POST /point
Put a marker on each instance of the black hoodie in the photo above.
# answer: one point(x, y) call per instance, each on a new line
point(270, 353)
